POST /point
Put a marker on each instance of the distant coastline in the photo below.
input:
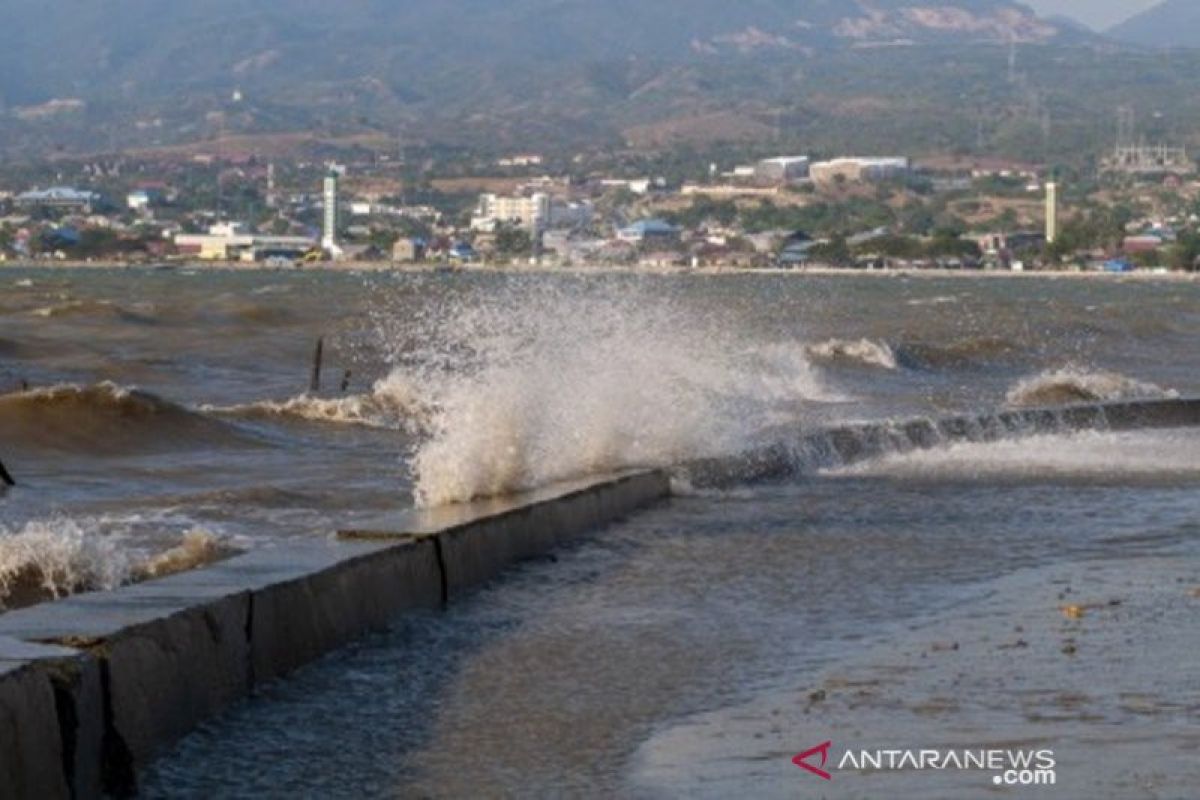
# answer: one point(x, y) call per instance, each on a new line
point(386, 266)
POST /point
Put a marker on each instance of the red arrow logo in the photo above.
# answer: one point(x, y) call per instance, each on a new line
point(801, 760)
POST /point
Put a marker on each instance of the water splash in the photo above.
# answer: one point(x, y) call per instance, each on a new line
point(49, 558)
point(860, 352)
point(545, 381)
point(55, 557)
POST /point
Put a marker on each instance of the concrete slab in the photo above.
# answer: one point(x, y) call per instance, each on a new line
point(170, 656)
point(51, 722)
point(31, 752)
point(477, 541)
point(298, 619)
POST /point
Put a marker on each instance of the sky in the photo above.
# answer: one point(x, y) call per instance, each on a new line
point(1099, 14)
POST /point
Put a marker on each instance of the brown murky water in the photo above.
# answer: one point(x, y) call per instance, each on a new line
point(163, 405)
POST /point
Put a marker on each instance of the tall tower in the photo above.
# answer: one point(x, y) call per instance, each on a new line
point(329, 237)
point(272, 201)
point(1051, 212)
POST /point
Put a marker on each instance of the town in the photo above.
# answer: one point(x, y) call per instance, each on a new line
point(226, 204)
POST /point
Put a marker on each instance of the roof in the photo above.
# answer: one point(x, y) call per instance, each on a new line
point(61, 193)
point(652, 226)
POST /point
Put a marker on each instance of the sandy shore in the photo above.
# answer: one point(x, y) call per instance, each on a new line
point(1094, 661)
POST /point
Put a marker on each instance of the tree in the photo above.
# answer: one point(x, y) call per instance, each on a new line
point(1184, 254)
point(835, 251)
point(512, 241)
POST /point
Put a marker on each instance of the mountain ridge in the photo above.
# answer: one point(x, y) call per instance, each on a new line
point(1171, 23)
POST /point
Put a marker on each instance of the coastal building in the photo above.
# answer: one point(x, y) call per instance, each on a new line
point(60, 197)
point(858, 170)
point(142, 200)
point(1142, 243)
point(649, 232)
point(530, 213)
point(727, 190)
point(781, 170)
point(408, 250)
point(520, 160)
point(234, 241)
point(1000, 244)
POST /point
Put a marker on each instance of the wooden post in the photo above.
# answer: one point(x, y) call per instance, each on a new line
point(5, 478)
point(314, 384)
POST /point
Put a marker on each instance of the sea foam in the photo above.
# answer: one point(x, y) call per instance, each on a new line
point(539, 382)
point(1073, 384)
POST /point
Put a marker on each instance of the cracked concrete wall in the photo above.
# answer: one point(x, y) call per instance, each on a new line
point(94, 687)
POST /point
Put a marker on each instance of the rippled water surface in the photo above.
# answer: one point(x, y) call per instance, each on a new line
point(554, 681)
point(140, 407)
point(147, 411)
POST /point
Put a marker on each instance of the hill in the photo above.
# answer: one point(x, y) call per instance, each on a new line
point(109, 73)
point(1172, 23)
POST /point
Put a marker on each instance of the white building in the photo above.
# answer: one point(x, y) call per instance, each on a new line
point(234, 241)
point(858, 170)
point(531, 213)
point(782, 169)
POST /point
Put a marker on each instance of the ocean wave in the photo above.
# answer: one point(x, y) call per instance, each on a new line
point(937, 300)
point(957, 354)
point(198, 548)
point(1078, 385)
point(52, 558)
point(104, 418)
point(392, 404)
point(47, 559)
point(539, 382)
point(105, 309)
point(861, 352)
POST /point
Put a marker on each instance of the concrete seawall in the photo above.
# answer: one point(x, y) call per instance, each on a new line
point(848, 444)
point(95, 686)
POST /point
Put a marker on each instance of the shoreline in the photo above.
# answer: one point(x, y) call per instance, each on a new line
point(525, 269)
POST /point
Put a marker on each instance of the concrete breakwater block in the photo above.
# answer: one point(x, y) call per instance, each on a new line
point(477, 541)
point(95, 686)
point(168, 657)
point(51, 732)
point(310, 600)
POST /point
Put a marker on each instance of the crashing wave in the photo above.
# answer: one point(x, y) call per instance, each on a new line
point(48, 559)
point(861, 352)
point(393, 403)
point(1077, 385)
point(537, 383)
point(52, 558)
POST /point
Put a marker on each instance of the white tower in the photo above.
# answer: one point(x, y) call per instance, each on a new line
point(271, 199)
point(1051, 212)
point(329, 239)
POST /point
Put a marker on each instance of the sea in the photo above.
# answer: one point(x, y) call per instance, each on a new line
point(169, 416)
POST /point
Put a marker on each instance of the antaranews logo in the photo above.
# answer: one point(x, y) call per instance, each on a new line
point(801, 760)
point(1008, 767)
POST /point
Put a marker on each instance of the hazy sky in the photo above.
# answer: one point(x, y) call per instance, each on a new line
point(1099, 14)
